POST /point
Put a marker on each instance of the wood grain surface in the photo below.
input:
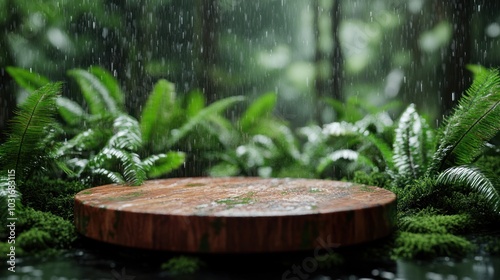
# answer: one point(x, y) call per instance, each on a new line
point(239, 214)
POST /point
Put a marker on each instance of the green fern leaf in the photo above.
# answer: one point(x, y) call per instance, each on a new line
point(158, 165)
point(472, 124)
point(475, 179)
point(261, 108)
point(195, 103)
point(202, 116)
point(157, 110)
point(22, 150)
point(27, 79)
point(410, 145)
point(132, 168)
point(97, 96)
point(344, 154)
point(71, 112)
point(114, 177)
point(111, 84)
point(127, 134)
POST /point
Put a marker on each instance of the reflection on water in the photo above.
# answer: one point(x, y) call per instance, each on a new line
point(79, 264)
point(480, 267)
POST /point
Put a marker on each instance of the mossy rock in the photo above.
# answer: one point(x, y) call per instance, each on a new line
point(410, 245)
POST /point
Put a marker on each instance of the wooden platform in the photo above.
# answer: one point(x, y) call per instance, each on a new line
point(235, 214)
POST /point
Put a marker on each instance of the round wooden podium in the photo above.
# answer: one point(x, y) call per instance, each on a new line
point(235, 215)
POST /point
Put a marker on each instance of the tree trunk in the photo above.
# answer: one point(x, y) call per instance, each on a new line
point(456, 78)
point(7, 94)
point(208, 13)
point(337, 56)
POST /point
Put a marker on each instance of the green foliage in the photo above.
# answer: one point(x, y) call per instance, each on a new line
point(98, 97)
point(344, 147)
point(473, 123)
point(182, 265)
point(259, 110)
point(412, 141)
point(24, 150)
point(472, 177)
point(34, 240)
point(410, 245)
point(105, 142)
point(62, 232)
point(27, 79)
point(258, 144)
point(435, 223)
point(51, 195)
point(158, 111)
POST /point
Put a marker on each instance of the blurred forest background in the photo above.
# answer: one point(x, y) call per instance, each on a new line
point(369, 52)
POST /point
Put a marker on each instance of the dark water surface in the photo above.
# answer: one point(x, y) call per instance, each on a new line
point(101, 261)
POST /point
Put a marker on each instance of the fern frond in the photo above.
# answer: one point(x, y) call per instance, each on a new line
point(340, 129)
point(97, 96)
point(261, 108)
point(87, 140)
point(410, 145)
point(71, 112)
point(158, 107)
point(158, 165)
point(472, 124)
point(474, 179)
point(27, 79)
point(203, 115)
point(127, 134)
point(111, 84)
point(384, 149)
point(28, 128)
point(114, 177)
point(131, 165)
point(344, 154)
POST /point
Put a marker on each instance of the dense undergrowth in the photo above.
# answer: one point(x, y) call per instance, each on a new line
point(445, 178)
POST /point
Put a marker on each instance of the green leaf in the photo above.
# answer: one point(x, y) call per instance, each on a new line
point(473, 123)
point(202, 116)
point(474, 179)
point(127, 134)
point(111, 84)
point(410, 145)
point(164, 163)
point(97, 96)
point(27, 79)
point(132, 168)
point(114, 177)
point(28, 128)
point(157, 109)
point(71, 112)
point(261, 108)
point(195, 103)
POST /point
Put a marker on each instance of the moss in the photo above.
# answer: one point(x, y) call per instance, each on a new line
point(429, 223)
point(243, 199)
point(410, 245)
point(61, 231)
point(377, 179)
point(182, 265)
point(34, 240)
point(49, 195)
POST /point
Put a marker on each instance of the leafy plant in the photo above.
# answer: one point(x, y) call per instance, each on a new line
point(24, 151)
point(260, 144)
point(101, 139)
